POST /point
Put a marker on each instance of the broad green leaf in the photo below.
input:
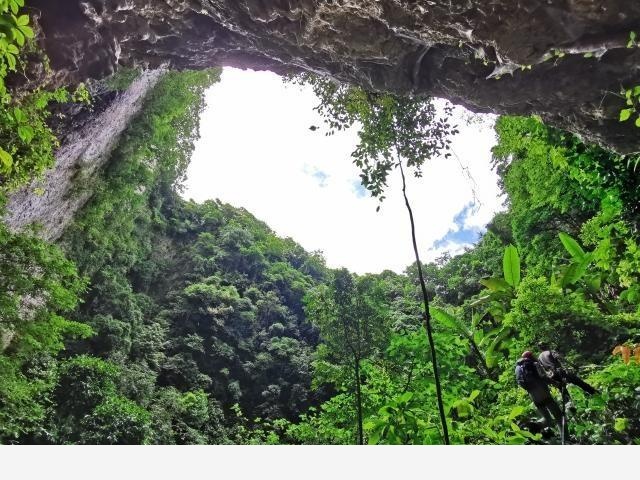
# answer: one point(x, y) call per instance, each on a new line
point(529, 435)
point(463, 408)
point(495, 284)
point(495, 343)
point(405, 397)
point(491, 334)
point(374, 437)
point(516, 412)
point(625, 113)
point(594, 283)
point(573, 247)
point(620, 424)
point(474, 395)
point(19, 36)
point(449, 321)
point(575, 271)
point(475, 319)
point(22, 20)
point(6, 159)
point(11, 61)
point(19, 115)
point(511, 266)
point(637, 122)
point(568, 275)
point(481, 300)
point(491, 360)
point(27, 31)
point(25, 132)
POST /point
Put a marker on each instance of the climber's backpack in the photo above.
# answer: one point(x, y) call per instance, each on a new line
point(526, 373)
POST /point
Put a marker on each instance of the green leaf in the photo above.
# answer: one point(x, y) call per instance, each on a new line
point(637, 122)
point(511, 266)
point(449, 321)
point(19, 115)
point(621, 424)
point(574, 272)
point(573, 247)
point(405, 397)
point(474, 395)
point(27, 31)
point(625, 114)
point(491, 360)
point(25, 132)
point(491, 356)
point(516, 412)
point(475, 319)
point(481, 300)
point(22, 20)
point(496, 284)
point(11, 61)
point(6, 159)
point(594, 283)
point(19, 36)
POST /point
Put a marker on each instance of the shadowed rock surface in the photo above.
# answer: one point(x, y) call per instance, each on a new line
point(473, 52)
point(68, 186)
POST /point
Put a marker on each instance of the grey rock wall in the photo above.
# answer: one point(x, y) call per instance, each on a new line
point(53, 201)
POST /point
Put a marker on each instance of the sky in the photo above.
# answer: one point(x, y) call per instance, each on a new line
point(256, 151)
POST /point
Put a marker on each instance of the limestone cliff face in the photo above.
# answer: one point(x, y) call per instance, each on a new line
point(473, 52)
point(86, 148)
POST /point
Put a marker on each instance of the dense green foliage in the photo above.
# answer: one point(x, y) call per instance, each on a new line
point(26, 140)
point(157, 320)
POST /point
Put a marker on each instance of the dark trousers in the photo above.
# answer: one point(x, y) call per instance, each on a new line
point(549, 409)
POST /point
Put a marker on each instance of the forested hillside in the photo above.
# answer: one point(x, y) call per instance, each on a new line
point(155, 320)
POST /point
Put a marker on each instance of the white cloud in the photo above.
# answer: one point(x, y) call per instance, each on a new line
point(258, 152)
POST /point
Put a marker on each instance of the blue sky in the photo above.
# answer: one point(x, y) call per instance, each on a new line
point(461, 235)
point(256, 151)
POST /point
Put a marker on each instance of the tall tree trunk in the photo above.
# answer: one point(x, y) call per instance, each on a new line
point(359, 402)
point(427, 314)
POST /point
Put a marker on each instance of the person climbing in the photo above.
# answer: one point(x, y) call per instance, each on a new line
point(551, 362)
point(532, 377)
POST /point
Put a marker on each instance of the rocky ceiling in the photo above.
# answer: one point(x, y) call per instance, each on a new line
point(565, 60)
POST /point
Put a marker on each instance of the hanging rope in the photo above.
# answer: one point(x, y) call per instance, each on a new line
point(427, 314)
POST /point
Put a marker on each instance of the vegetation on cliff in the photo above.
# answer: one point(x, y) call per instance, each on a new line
point(157, 320)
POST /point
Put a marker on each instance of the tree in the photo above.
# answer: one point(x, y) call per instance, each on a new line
point(351, 324)
point(394, 132)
